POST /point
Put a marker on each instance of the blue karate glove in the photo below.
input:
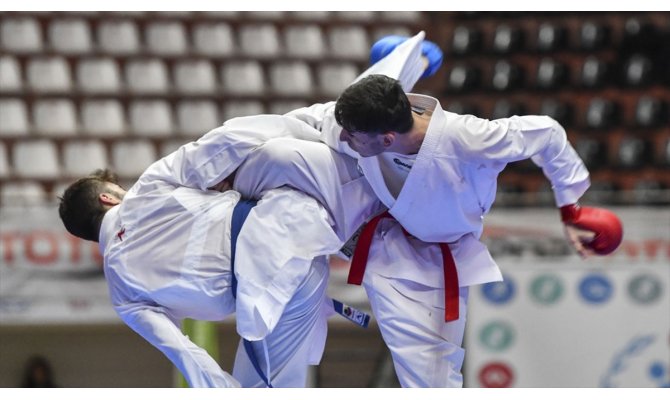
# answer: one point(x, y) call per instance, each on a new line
point(430, 50)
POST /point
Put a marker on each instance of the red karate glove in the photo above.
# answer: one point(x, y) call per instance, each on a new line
point(604, 224)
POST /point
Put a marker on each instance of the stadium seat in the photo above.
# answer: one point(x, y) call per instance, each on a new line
point(305, 41)
point(166, 38)
point(70, 36)
point(214, 39)
point(355, 15)
point(49, 74)
point(401, 16)
point(102, 118)
point(650, 112)
point(150, 118)
point(390, 30)
point(507, 39)
point(22, 194)
point(99, 75)
point(649, 192)
point(131, 158)
point(349, 42)
point(243, 78)
point(13, 118)
point(10, 74)
point(21, 35)
point(594, 36)
point(4, 161)
point(234, 109)
point(463, 78)
point(558, 110)
point(118, 37)
point(291, 78)
point(266, 15)
point(195, 77)
point(282, 107)
point(551, 74)
point(259, 40)
point(334, 78)
point(147, 76)
point(462, 108)
point(505, 108)
point(195, 118)
point(168, 147)
point(83, 157)
point(595, 73)
point(36, 159)
point(506, 76)
point(639, 71)
point(311, 15)
point(551, 37)
point(633, 153)
point(466, 40)
point(601, 192)
point(638, 36)
point(55, 117)
point(602, 113)
point(593, 152)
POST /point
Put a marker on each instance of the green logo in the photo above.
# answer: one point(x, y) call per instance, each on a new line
point(496, 336)
point(645, 289)
point(546, 289)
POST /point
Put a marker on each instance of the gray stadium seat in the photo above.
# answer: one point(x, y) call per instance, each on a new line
point(304, 41)
point(594, 36)
point(633, 153)
point(235, 109)
point(506, 76)
point(349, 42)
point(291, 78)
point(334, 78)
point(98, 75)
point(507, 39)
point(36, 159)
point(259, 40)
point(195, 77)
point(650, 112)
point(558, 110)
point(282, 107)
point(593, 152)
point(195, 118)
point(118, 37)
point(102, 118)
point(214, 39)
point(595, 72)
point(602, 113)
point(243, 78)
point(150, 118)
point(463, 78)
point(49, 74)
point(551, 74)
point(311, 15)
point(551, 37)
point(70, 36)
point(166, 38)
point(4, 161)
point(505, 108)
point(22, 194)
point(56, 117)
point(21, 35)
point(13, 118)
point(147, 76)
point(466, 40)
point(10, 74)
point(131, 158)
point(639, 71)
point(82, 157)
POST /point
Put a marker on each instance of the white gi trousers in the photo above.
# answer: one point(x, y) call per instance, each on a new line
point(296, 342)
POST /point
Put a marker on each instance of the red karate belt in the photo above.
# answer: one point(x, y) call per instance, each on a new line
point(360, 260)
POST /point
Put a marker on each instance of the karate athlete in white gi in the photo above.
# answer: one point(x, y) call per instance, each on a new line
point(436, 173)
point(167, 246)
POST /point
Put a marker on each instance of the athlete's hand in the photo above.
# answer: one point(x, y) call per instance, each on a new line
point(591, 230)
point(432, 55)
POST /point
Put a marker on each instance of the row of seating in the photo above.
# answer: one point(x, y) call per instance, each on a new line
point(552, 36)
point(548, 73)
point(110, 118)
point(171, 38)
point(151, 76)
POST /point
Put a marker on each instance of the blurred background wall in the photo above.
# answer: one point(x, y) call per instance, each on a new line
point(84, 90)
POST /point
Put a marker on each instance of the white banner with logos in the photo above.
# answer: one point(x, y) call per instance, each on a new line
point(560, 321)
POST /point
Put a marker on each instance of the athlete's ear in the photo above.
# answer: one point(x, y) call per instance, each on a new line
point(108, 199)
point(388, 138)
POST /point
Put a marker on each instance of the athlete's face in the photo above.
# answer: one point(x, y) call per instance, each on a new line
point(367, 145)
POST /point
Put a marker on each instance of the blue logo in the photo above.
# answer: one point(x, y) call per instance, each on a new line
point(633, 352)
point(499, 292)
point(596, 289)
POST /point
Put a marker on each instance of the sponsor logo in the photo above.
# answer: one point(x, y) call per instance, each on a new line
point(496, 375)
point(637, 355)
point(546, 289)
point(496, 336)
point(596, 289)
point(499, 292)
point(399, 163)
point(645, 289)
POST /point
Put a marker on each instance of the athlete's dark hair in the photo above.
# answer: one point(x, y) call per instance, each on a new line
point(80, 210)
point(375, 104)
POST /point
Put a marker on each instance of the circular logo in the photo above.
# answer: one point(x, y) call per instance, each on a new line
point(644, 289)
point(546, 289)
point(496, 336)
point(596, 289)
point(499, 292)
point(496, 375)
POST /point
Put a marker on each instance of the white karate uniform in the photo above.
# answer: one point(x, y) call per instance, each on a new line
point(444, 198)
point(166, 254)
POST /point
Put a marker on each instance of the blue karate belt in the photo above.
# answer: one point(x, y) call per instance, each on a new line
point(240, 213)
